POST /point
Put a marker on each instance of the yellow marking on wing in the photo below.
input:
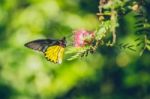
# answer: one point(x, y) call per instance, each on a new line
point(50, 53)
point(60, 55)
point(54, 53)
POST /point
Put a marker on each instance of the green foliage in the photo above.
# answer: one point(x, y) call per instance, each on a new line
point(109, 14)
point(78, 52)
point(106, 73)
point(142, 29)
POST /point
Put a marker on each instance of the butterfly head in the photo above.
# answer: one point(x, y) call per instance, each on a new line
point(62, 42)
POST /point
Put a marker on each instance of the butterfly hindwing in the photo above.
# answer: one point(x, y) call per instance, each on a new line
point(60, 55)
point(54, 53)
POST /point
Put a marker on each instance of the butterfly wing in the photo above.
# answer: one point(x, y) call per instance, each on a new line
point(52, 49)
point(54, 53)
point(40, 45)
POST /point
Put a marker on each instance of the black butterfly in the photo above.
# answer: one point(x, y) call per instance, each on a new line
point(52, 49)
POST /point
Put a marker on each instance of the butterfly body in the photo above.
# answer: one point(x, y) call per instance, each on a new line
point(52, 49)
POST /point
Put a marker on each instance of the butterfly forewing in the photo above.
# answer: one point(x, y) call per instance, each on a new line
point(40, 45)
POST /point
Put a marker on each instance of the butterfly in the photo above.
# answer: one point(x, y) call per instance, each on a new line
point(53, 49)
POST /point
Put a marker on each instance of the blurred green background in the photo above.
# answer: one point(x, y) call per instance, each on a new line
point(26, 74)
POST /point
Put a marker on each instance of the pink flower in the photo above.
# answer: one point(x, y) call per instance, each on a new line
point(82, 38)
